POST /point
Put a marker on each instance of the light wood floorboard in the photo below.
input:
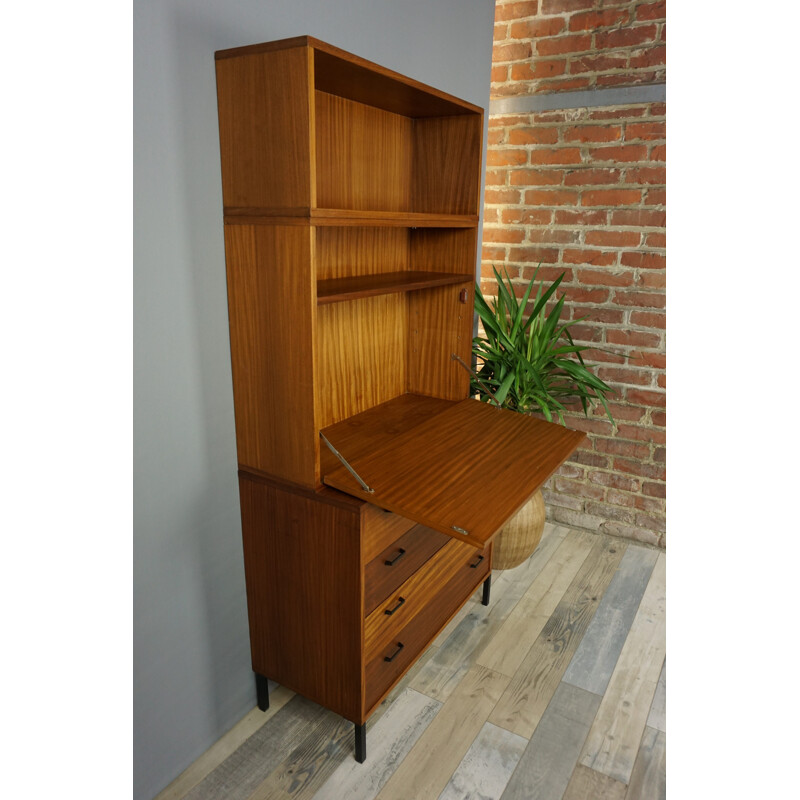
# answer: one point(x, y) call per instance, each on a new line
point(556, 690)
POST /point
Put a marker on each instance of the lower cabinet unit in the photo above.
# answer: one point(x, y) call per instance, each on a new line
point(343, 597)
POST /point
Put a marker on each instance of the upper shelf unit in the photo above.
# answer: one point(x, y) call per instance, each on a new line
point(342, 141)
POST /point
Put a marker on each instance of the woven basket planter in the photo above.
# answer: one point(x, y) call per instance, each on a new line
point(520, 536)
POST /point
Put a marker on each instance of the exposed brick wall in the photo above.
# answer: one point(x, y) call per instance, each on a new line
point(582, 191)
point(566, 45)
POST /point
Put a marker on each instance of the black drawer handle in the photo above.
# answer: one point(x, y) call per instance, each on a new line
point(390, 611)
point(393, 561)
point(400, 646)
point(477, 563)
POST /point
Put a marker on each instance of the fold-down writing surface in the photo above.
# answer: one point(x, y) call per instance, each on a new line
point(463, 472)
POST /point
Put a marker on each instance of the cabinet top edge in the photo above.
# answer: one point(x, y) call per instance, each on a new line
point(344, 55)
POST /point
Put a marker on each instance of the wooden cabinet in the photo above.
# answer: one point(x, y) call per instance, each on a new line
point(351, 202)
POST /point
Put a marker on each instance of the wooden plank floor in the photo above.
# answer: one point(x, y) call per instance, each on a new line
point(556, 690)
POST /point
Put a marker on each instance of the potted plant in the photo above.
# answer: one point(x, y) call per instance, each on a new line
point(529, 363)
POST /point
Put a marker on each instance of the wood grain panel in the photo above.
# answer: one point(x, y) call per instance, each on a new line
point(379, 529)
point(264, 129)
point(361, 359)
point(447, 164)
point(587, 784)
point(304, 594)
point(397, 562)
point(440, 324)
point(649, 776)
point(269, 307)
point(436, 473)
point(363, 156)
point(402, 219)
point(346, 252)
point(339, 290)
point(444, 250)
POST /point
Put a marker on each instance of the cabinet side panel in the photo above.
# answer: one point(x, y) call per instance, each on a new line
point(362, 355)
point(271, 304)
point(304, 594)
point(345, 252)
point(363, 156)
point(447, 164)
point(264, 129)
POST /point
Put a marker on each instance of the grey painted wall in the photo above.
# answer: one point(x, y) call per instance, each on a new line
point(192, 678)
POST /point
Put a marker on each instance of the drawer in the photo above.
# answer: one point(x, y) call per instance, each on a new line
point(396, 646)
point(398, 562)
point(381, 528)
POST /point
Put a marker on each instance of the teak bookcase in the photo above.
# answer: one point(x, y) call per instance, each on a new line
point(351, 200)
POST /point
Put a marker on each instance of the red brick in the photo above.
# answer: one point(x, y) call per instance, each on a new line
point(570, 217)
point(511, 52)
point(610, 316)
point(587, 295)
point(616, 375)
point(581, 489)
point(620, 498)
point(536, 177)
point(653, 280)
point(650, 522)
point(493, 253)
point(597, 257)
point(496, 177)
point(611, 197)
point(570, 471)
point(663, 36)
point(645, 130)
point(643, 260)
point(586, 333)
point(598, 63)
point(500, 32)
point(650, 57)
point(639, 218)
point(658, 152)
point(615, 481)
point(629, 413)
point(563, 85)
point(655, 505)
point(507, 120)
point(653, 471)
point(598, 426)
point(497, 158)
point(509, 11)
point(620, 113)
point(536, 135)
point(618, 447)
point(656, 239)
point(545, 255)
point(628, 338)
point(591, 177)
point(649, 319)
point(646, 299)
point(593, 133)
point(661, 381)
point(499, 74)
point(526, 216)
point(530, 29)
point(490, 215)
point(656, 197)
point(654, 360)
point(652, 10)
point(552, 197)
point(627, 152)
point(659, 418)
point(565, 6)
point(645, 397)
point(561, 155)
point(559, 45)
point(613, 238)
point(630, 78)
point(597, 19)
point(647, 175)
point(641, 434)
point(605, 277)
point(546, 274)
point(654, 489)
point(505, 235)
point(625, 37)
point(658, 109)
point(540, 68)
point(584, 456)
point(501, 196)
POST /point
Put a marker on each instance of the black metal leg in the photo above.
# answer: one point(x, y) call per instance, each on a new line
point(361, 742)
point(262, 692)
point(487, 588)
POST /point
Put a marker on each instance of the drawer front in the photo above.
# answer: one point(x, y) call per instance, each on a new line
point(404, 643)
point(398, 562)
point(381, 528)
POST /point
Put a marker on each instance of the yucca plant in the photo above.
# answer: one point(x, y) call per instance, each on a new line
point(530, 363)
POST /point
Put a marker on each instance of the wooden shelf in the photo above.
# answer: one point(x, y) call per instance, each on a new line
point(343, 217)
point(335, 290)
